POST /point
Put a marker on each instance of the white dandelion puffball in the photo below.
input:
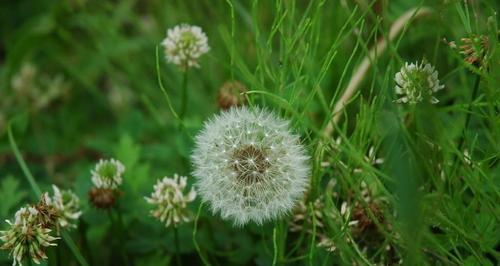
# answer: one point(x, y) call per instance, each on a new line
point(417, 81)
point(184, 45)
point(108, 174)
point(168, 196)
point(249, 167)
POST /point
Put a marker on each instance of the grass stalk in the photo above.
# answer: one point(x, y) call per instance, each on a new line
point(36, 190)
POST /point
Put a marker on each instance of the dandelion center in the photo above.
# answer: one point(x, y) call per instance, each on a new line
point(250, 163)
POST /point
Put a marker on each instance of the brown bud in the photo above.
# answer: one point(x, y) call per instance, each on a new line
point(103, 198)
point(47, 214)
point(231, 94)
point(365, 222)
point(473, 49)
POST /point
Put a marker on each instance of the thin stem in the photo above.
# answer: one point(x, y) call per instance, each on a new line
point(22, 163)
point(461, 141)
point(58, 256)
point(195, 242)
point(313, 238)
point(469, 110)
point(177, 252)
point(36, 189)
point(162, 88)
point(184, 94)
point(122, 233)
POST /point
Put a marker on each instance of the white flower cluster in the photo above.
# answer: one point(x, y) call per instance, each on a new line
point(107, 174)
point(417, 81)
point(26, 237)
point(169, 198)
point(248, 165)
point(67, 205)
point(184, 45)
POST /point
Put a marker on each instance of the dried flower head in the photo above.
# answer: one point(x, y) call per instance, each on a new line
point(26, 237)
point(108, 174)
point(184, 45)
point(417, 81)
point(248, 165)
point(103, 198)
point(170, 201)
point(48, 215)
point(67, 205)
point(474, 49)
point(231, 95)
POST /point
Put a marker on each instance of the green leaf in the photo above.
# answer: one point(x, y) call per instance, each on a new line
point(11, 195)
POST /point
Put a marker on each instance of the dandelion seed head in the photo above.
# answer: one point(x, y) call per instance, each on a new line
point(416, 82)
point(260, 177)
point(184, 45)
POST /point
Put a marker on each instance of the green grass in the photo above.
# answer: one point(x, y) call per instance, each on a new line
point(434, 199)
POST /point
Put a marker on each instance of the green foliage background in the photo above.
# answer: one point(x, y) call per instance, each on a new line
point(296, 58)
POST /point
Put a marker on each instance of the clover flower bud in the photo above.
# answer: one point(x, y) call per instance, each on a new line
point(231, 95)
point(108, 174)
point(417, 81)
point(170, 201)
point(184, 45)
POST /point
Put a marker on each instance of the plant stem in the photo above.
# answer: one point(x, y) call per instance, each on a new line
point(469, 110)
point(195, 242)
point(184, 94)
point(121, 229)
point(36, 189)
point(176, 239)
point(275, 245)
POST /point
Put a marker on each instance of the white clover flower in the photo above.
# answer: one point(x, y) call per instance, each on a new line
point(417, 81)
point(26, 237)
point(248, 165)
point(170, 200)
point(108, 174)
point(67, 205)
point(184, 45)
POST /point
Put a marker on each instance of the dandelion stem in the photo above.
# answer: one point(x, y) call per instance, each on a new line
point(177, 252)
point(275, 244)
point(184, 94)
